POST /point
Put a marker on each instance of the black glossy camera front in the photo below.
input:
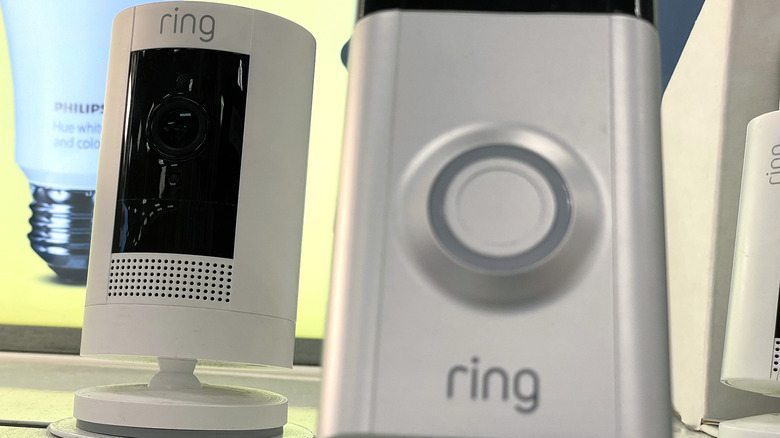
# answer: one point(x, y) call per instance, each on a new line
point(178, 127)
point(181, 154)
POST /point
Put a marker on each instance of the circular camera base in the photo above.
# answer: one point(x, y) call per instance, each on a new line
point(68, 428)
point(759, 426)
point(135, 410)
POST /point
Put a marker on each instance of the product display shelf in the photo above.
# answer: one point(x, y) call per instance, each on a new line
point(37, 389)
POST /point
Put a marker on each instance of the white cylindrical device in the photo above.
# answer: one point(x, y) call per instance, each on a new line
point(751, 359)
point(199, 210)
point(198, 217)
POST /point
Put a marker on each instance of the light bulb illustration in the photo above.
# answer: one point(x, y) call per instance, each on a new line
point(59, 58)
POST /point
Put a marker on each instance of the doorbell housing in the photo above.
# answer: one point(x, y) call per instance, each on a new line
point(199, 209)
point(499, 258)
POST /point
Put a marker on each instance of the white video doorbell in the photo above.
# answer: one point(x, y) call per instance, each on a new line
point(499, 264)
point(198, 218)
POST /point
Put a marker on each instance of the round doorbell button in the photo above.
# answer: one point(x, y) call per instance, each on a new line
point(499, 208)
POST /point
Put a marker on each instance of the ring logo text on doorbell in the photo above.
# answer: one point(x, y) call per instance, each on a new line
point(494, 383)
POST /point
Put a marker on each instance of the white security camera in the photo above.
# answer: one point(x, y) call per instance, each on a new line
point(198, 219)
point(751, 355)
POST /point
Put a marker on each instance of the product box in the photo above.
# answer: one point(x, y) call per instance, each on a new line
point(729, 73)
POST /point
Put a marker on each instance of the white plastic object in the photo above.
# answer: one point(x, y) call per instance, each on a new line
point(751, 355)
point(751, 358)
point(244, 308)
point(169, 111)
point(175, 399)
point(67, 428)
point(760, 426)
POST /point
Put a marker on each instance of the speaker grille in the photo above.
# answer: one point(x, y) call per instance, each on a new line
point(163, 278)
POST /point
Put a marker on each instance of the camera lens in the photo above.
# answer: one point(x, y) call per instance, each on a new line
point(178, 127)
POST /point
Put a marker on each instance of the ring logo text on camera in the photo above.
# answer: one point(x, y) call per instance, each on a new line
point(174, 24)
